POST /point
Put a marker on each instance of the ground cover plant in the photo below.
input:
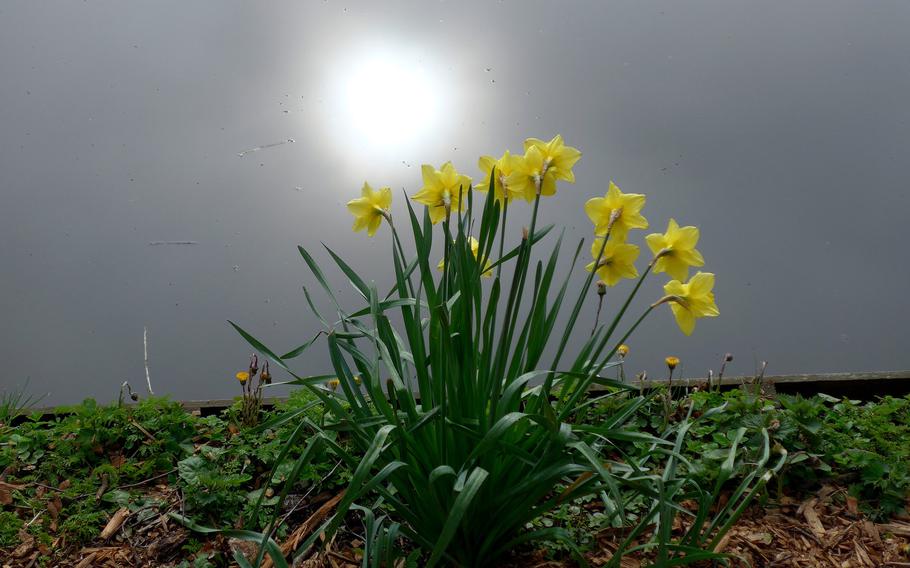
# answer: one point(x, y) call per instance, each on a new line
point(63, 478)
point(465, 424)
point(201, 481)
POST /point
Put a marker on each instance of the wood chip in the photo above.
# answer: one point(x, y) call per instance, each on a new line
point(811, 515)
point(115, 523)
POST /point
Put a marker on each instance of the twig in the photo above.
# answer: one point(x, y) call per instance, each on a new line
point(144, 481)
point(143, 430)
point(115, 523)
point(105, 480)
point(145, 348)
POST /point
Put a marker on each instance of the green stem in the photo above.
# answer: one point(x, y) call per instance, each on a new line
point(548, 382)
point(502, 235)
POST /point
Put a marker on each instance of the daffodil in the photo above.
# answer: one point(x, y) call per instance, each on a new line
point(675, 250)
point(530, 175)
point(691, 300)
point(616, 211)
point(242, 376)
point(370, 208)
point(502, 190)
point(558, 157)
point(616, 262)
point(475, 248)
point(443, 191)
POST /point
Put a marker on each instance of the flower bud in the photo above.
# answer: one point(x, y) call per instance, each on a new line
point(623, 350)
point(601, 287)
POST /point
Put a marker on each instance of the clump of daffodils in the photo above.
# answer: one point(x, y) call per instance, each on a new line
point(534, 174)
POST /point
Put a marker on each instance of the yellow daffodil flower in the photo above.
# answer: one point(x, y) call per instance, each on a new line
point(616, 262)
point(691, 300)
point(623, 208)
point(242, 376)
point(530, 173)
point(675, 250)
point(558, 157)
point(443, 190)
point(370, 208)
point(475, 248)
point(671, 362)
point(502, 190)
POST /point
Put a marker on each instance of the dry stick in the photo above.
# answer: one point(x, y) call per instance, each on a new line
point(145, 348)
point(115, 523)
point(104, 485)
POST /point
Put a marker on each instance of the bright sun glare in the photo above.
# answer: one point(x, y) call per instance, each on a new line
point(389, 99)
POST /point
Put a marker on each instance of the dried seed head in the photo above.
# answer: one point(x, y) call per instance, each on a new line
point(728, 357)
point(601, 287)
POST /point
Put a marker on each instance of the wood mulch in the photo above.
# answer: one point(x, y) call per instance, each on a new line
point(825, 530)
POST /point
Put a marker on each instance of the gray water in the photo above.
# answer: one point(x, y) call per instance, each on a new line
point(782, 129)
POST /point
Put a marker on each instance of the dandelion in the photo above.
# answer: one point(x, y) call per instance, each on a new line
point(616, 212)
point(443, 190)
point(243, 377)
point(370, 208)
point(617, 261)
point(672, 362)
point(674, 251)
point(691, 300)
point(622, 350)
point(333, 384)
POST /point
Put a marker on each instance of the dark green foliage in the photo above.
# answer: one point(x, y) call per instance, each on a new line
point(217, 469)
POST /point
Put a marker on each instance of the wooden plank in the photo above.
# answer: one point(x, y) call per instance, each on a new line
point(211, 406)
point(807, 378)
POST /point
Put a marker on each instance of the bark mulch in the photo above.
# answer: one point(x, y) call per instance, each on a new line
point(825, 530)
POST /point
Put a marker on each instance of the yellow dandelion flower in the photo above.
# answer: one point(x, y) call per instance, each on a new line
point(622, 350)
point(671, 362)
point(242, 376)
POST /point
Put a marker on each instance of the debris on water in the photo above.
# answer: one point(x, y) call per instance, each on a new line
point(298, 188)
point(157, 243)
point(264, 147)
point(236, 268)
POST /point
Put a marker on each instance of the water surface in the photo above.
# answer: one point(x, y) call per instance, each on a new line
point(781, 129)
